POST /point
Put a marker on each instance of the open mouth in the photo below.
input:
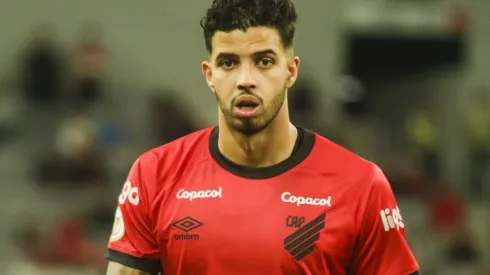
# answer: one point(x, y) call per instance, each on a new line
point(247, 105)
point(247, 102)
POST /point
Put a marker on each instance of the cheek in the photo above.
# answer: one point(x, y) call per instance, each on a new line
point(224, 87)
point(223, 81)
point(273, 87)
point(275, 79)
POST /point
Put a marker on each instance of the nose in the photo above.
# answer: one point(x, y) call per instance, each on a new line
point(246, 80)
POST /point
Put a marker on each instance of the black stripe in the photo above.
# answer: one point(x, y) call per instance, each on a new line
point(305, 236)
point(305, 228)
point(151, 266)
point(305, 244)
point(305, 253)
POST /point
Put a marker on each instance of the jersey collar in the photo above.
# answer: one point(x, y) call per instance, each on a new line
point(302, 149)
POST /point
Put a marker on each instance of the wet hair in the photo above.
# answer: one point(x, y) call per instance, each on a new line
point(230, 15)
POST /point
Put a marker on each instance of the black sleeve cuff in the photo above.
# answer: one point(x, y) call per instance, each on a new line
point(147, 265)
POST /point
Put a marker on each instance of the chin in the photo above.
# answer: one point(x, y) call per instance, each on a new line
point(248, 127)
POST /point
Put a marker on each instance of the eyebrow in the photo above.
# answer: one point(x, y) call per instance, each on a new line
point(264, 52)
point(224, 55)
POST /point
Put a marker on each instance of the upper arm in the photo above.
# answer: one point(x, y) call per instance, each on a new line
point(119, 269)
point(381, 247)
point(132, 242)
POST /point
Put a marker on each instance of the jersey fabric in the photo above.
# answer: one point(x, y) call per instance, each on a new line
point(186, 209)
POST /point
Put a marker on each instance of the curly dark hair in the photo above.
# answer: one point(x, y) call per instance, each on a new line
point(229, 15)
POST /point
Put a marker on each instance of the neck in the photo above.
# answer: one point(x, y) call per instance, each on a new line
point(271, 146)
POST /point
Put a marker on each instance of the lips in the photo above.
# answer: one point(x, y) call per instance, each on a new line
point(247, 101)
point(246, 106)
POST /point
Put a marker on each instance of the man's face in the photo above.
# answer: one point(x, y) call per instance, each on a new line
point(249, 73)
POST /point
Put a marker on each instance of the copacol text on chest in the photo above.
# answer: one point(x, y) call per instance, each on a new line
point(199, 194)
point(300, 200)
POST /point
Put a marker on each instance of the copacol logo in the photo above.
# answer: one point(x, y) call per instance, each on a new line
point(299, 200)
point(200, 194)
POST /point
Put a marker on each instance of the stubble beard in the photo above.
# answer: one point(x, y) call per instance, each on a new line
point(255, 125)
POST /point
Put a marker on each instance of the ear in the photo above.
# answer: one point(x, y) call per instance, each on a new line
point(207, 72)
point(293, 67)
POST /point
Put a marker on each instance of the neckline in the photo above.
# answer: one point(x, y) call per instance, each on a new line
point(303, 146)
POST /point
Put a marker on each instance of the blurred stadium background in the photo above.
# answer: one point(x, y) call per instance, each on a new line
point(86, 86)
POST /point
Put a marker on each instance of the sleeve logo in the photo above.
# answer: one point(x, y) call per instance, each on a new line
point(391, 219)
point(118, 227)
point(129, 193)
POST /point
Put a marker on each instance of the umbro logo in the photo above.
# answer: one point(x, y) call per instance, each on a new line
point(302, 242)
point(186, 225)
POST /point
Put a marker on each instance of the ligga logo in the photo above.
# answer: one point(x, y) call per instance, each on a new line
point(391, 219)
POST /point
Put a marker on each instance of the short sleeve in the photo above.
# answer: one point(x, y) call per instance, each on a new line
point(132, 241)
point(381, 248)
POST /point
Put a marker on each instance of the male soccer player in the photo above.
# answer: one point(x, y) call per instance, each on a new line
point(256, 195)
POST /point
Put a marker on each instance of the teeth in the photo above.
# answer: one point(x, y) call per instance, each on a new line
point(247, 104)
point(247, 107)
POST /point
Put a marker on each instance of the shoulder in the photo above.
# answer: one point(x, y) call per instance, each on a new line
point(348, 172)
point(185, 146)
point(333, 159)
point(360, 182)
point(169, 161)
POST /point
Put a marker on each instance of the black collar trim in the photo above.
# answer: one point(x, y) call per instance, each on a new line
point(302, 149)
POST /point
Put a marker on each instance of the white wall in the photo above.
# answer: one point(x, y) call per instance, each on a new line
point(157, 42)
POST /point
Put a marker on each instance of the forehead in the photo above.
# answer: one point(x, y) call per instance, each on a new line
point(243, 43)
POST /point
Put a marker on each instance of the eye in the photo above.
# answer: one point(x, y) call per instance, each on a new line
point(265, 62)
point(227, 63)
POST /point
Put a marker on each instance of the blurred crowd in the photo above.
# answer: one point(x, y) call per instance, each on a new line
point(61, 104)
point(58, 109)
